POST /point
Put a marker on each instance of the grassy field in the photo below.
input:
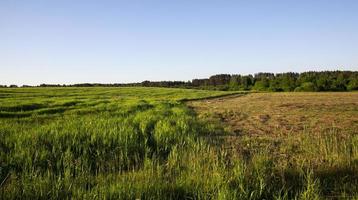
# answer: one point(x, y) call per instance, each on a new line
point(148, 143)
point(314, 132)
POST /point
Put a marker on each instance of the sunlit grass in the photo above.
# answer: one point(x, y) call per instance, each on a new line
point(145, 143)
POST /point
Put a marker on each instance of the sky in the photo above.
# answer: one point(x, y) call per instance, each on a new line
point(113, 41)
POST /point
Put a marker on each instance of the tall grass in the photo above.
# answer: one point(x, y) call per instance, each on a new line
point(152, 148)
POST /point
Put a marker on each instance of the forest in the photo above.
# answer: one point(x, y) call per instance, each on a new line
point(290, 81)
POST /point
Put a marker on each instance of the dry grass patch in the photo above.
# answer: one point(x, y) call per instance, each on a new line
point(283, 113)
point(315, 132)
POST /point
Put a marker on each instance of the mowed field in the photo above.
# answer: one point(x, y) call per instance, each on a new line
point(312, 131)
point(157, 143)
point(260, 114)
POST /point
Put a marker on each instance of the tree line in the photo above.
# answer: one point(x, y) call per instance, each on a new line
point(290, 81)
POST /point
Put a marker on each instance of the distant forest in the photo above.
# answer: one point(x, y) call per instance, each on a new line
point(306, 81)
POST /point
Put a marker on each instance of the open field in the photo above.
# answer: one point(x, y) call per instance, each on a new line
point(284, 113)
point(147, 143)
point(317, 131)
point(91, 142)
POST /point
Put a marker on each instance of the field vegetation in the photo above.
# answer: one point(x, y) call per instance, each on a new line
point(305, 135)
point(147, 143)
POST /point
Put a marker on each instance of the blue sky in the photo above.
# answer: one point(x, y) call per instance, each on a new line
point(75, 41)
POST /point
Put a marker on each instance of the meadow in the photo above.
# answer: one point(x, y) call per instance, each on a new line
point(161, 143)
point(306, 135)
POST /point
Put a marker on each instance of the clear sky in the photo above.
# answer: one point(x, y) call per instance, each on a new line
point(76, 41)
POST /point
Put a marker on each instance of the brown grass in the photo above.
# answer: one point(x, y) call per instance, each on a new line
point(283, 113)
point(296, 131)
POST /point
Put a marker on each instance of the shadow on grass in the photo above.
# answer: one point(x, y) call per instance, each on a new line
point(23, 107)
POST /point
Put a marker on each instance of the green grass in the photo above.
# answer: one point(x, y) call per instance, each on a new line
point(146, 143)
